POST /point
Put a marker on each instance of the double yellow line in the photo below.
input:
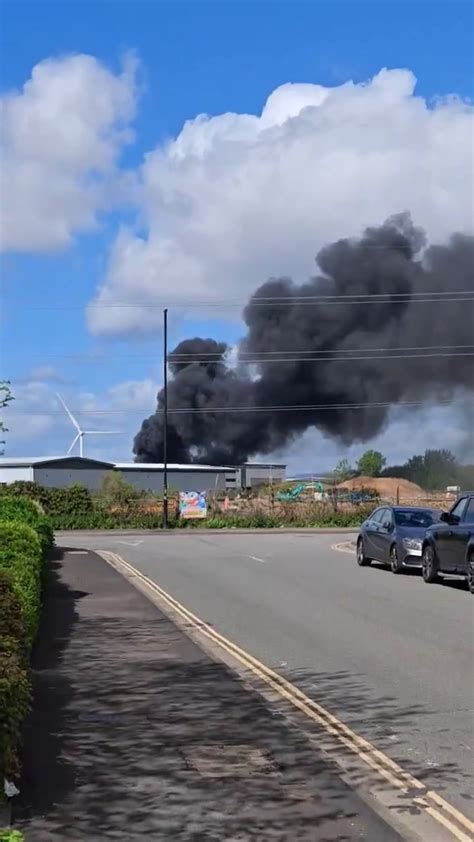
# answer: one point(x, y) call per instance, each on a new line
point(459, 825)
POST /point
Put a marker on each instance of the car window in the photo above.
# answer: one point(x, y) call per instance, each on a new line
point(469, 513)
point(377, 515)
point(415, 519)
point(458, 509)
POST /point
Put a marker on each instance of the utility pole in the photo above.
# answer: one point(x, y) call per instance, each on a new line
point(165, 418)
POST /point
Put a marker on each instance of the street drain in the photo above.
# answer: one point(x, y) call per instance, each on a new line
point(220, 761)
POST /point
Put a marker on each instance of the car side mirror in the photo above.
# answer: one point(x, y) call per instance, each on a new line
point(387, 525)
point(447, 517)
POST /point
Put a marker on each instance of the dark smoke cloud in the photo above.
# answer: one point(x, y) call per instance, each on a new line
point(384, 260)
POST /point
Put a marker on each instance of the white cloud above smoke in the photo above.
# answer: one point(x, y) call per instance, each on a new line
point(61, 138)
point(236, 198)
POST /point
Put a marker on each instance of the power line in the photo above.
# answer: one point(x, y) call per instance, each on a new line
point(238, 409)
point(276, 301)
point(309, 407)
point(327, 350)
point(97, 357)
point(258, 360)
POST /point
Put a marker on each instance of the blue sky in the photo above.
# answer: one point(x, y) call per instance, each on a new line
point(192, 58)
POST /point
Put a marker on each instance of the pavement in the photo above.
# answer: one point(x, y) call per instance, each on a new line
point(137, 734)
point(388, 655)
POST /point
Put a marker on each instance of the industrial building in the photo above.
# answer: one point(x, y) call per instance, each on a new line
point(55, 472)
point(64, 471)
point(252, 474)
point(148, 476)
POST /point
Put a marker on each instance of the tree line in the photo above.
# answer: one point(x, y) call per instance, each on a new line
point(433, 470)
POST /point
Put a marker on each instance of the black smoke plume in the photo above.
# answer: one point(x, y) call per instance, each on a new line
point(285, 334)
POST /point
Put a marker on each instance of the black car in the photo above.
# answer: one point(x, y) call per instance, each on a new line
point(448, 546)
point(394, 535)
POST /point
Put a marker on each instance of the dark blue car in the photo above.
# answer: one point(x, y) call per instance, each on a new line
point(394, 536)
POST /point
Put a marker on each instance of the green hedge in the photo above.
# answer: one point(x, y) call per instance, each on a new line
point(21, 555)
point(30, 512)
point(10, 835)
point(26, 536)
point(15, 689)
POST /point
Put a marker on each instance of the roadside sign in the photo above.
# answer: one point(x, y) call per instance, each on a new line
point(192, 505)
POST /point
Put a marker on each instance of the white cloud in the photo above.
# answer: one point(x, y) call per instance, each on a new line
point(38, 425)
point(236, 198)
point(430, 427)
point(61, 136)
point(134, 394)
point(45, 374)
point(28, 419)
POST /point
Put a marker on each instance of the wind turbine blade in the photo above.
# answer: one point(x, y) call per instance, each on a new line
point(101, 432)
point(71, 416)
point(73, 443)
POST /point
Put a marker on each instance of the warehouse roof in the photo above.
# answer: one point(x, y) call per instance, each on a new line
point(172, 466)
point(30, 461)
point(264, 465)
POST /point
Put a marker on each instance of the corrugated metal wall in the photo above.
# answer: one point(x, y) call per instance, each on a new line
point(177, 480)
point(23, 473)
point(56, 477)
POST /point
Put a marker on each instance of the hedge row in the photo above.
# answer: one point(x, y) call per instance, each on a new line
point(25, 538)
point(29, 511)
point(75, 508)
point(21, 556)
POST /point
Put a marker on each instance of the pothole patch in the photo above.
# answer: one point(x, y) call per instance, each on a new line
point(224, 761)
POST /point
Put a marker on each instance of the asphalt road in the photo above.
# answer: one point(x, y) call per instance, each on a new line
point(389, 655)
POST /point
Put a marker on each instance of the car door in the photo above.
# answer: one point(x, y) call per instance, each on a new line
point(384, 535)
point(379, 536)
point(461, 534)
point(446, 538)
point(371, 532)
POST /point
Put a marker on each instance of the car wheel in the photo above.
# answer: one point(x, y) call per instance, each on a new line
point(429, 565)
point(362, 559)
point(470, 573)
point(396, 565)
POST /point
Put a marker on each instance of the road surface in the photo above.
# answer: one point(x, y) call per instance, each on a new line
point(388, 655)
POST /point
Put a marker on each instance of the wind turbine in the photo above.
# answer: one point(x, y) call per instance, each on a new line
point(81, 433)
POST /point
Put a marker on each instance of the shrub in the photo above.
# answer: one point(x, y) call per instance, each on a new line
point(15, 697)
point(63, 502)
point(11, 615)
point(116, 490)
point(25, 488)
point(28, 512)
point(20, 554)
point(14, 678)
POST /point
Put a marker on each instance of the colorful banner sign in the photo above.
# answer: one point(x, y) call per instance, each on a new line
point(192, 504)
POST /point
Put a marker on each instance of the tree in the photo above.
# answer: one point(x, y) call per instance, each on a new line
point(343, 470)
point(435, 470)
point(116, 490)
point(5, 398)
point(371, 463)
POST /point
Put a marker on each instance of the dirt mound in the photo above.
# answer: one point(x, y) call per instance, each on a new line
point(385, 486)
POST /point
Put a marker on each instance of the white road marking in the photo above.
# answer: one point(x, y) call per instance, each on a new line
point(256, 558)
point(131, 543)
point(78, 552)
point(402, 782)
point(344, 547)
